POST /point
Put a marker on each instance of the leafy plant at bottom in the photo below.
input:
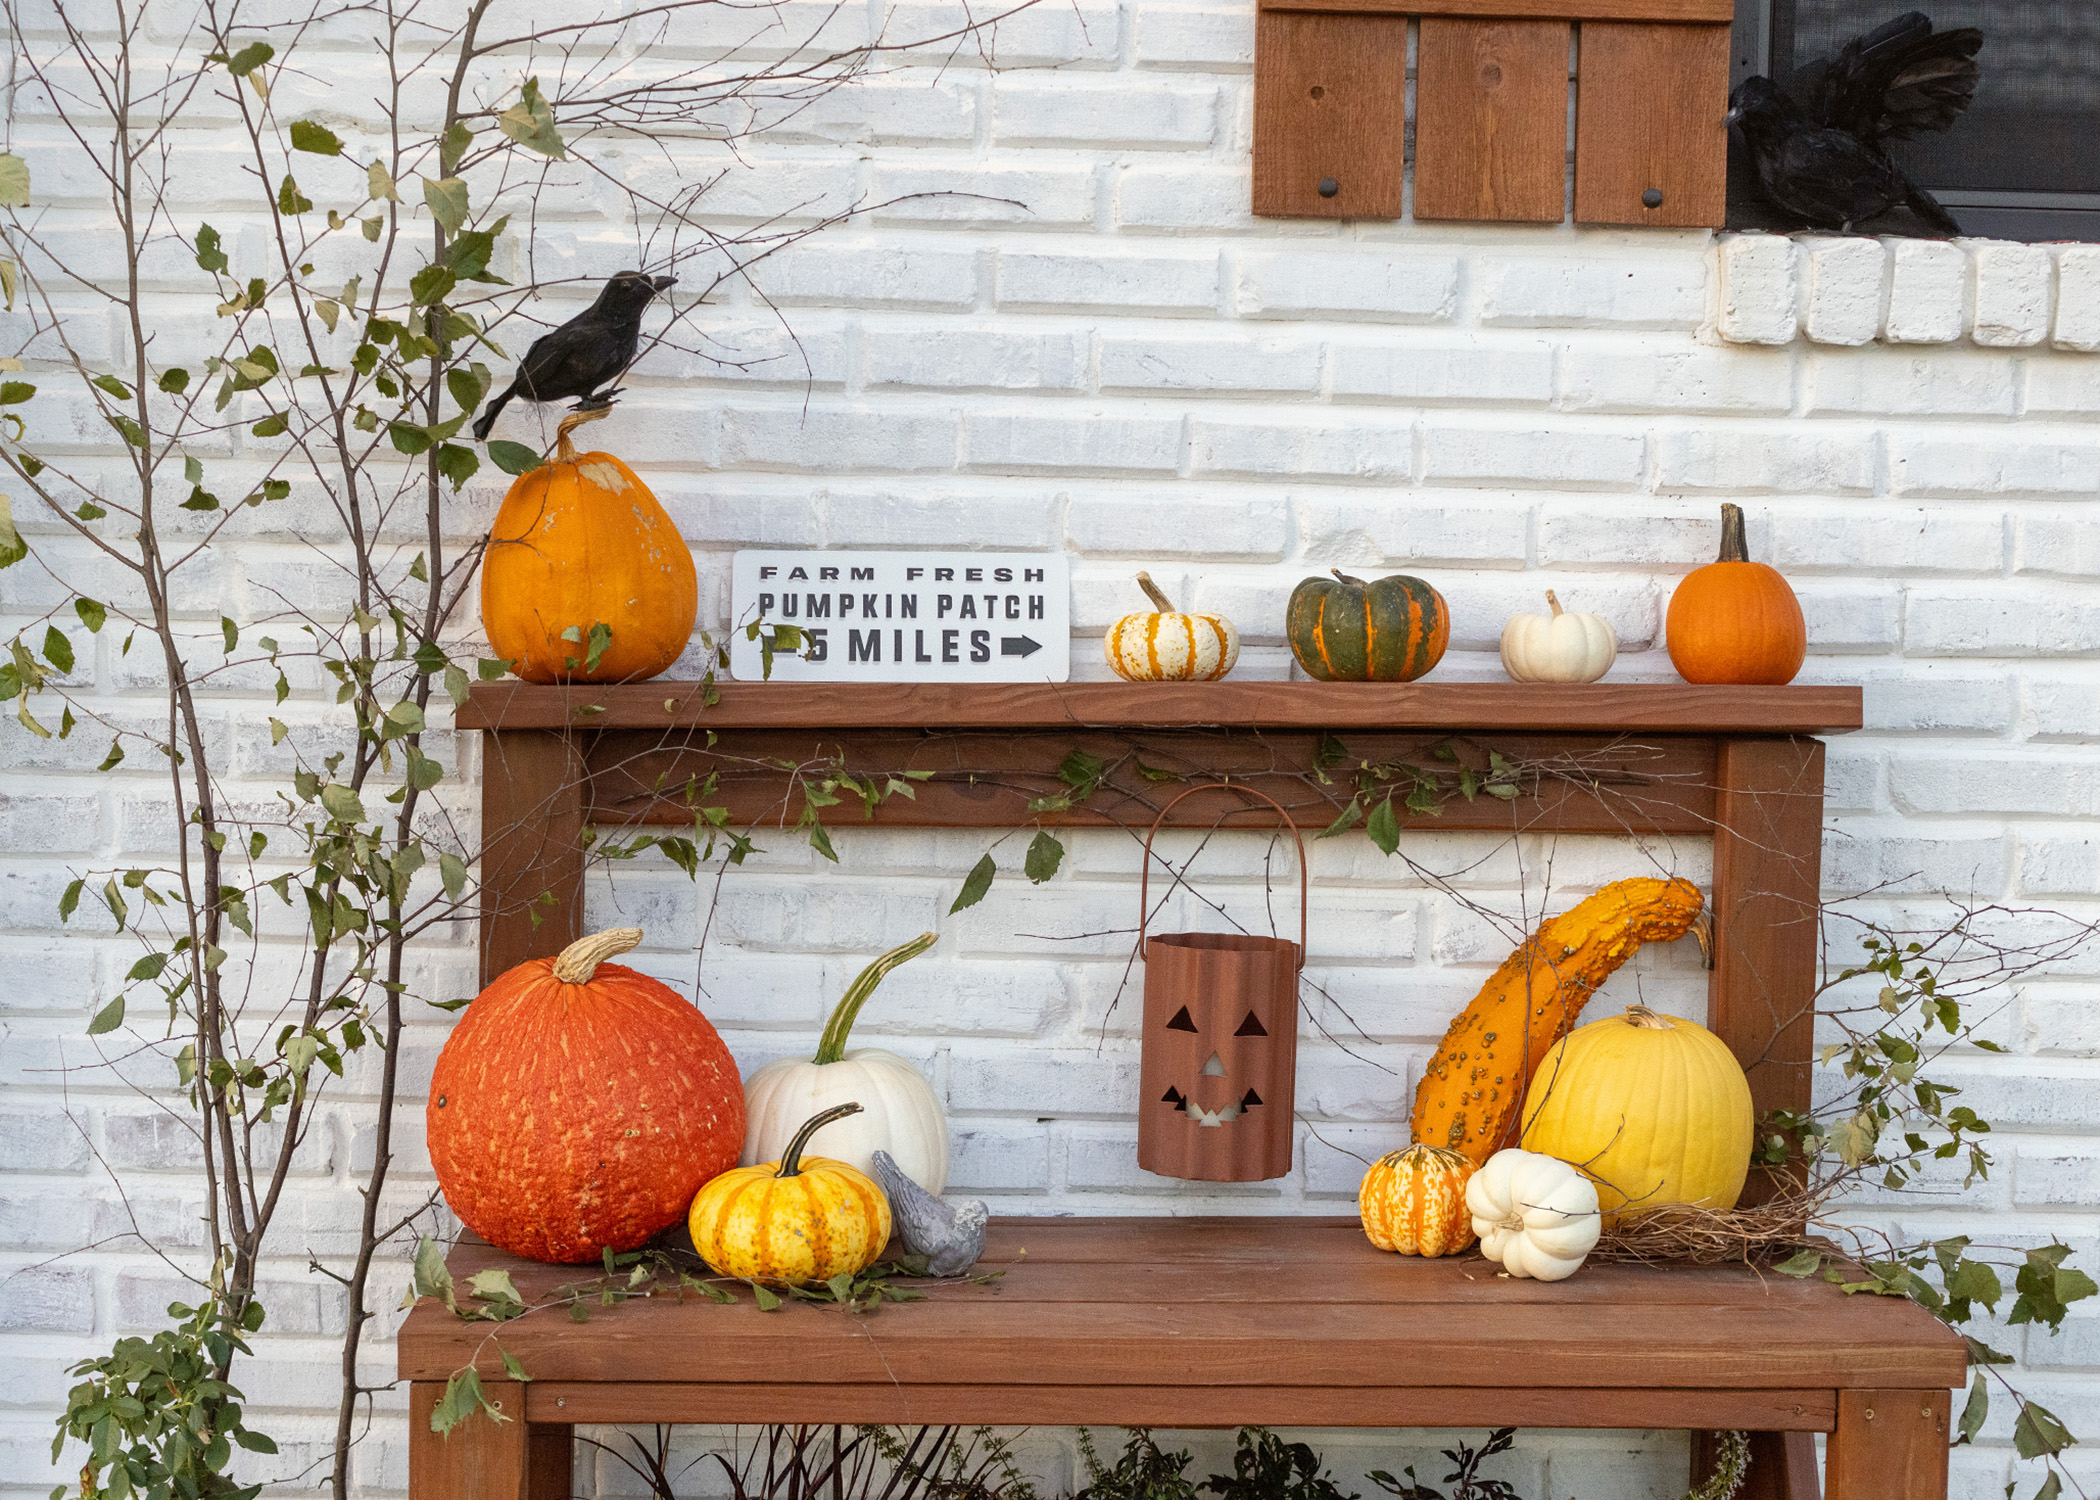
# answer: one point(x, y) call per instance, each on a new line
point(1143, 1471)
point(1465, 1473)
point(158, 1422)
point(1265, 1467)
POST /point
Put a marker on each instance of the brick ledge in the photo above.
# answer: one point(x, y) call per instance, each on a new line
point(1852, 289)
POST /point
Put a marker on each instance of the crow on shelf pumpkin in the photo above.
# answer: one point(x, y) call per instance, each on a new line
point(1735, 620)
point(585, 578)
point(1387, 630)
point(798, 1220)
point(579, 1104)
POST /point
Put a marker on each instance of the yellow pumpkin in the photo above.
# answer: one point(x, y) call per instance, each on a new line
point(1654, 1109)
point(580, 544)
point(797, 1220)
point(1414, 1201)
point(1169, 646)
point(1470, 1092)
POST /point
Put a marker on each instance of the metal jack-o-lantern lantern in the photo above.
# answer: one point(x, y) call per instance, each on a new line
point(1218, 1071)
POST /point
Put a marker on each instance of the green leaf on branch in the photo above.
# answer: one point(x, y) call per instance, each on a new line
point(2037, 1432)
point(453, 871)
point(273, 425)
point(114, 759)
point(319, 139)
point(342, 803)
point(431, 284)
point(289, 199)
point(109, 385)
point(513, 458)
point(1384, 826)
point(1974, 1412)
point(379, 183)
point(91, 613)
point(974, 885)
point(467, 384)
point(107, 1019)
point(530, 122)
point(209, 256)
point(447, 201)
point(14, 181)
point(458, 464)
point(1045, 854)
point(12, 548)
point(15, 392)
point(409, 438)
point(57, 649)
point(247, 60)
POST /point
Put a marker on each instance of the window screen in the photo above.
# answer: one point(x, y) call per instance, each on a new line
point(2023, 162)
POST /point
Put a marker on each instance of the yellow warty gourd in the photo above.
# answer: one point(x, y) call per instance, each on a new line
point(1654, 1109)
point(1470, 1093)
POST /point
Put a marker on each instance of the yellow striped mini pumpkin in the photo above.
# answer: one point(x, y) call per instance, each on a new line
point(1169, 646)
point(798, 1220)
point(1414, 1201)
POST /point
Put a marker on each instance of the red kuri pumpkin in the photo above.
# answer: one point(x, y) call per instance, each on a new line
point(579, 1105)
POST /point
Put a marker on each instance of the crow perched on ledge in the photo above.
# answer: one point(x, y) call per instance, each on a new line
point(586, 353)
point(1815, 152)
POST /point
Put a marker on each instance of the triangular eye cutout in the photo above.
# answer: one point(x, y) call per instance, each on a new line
point(1250, 1099)
point(1181, 1021)
point(1215, 1068)
point(1252, 1026)
point(1173, 1096)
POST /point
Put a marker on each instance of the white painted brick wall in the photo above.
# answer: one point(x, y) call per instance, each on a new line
point(1129, 367)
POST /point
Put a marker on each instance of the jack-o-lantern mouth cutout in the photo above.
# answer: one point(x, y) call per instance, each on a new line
point(1220, 1045)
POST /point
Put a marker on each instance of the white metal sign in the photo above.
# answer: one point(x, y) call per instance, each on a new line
point(905, 616)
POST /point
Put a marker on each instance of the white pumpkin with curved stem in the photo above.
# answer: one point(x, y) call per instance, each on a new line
point(1535, 1214)
point(1561, 647)
point(899, 1114)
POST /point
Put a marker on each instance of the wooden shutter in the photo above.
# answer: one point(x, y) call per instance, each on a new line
point(1330, 115)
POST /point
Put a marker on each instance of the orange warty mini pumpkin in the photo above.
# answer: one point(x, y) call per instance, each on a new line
point(581, 543)
point(579, 1105)
point(1414, 1201)
point(1735, 620)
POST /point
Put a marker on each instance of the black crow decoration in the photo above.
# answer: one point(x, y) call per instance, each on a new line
point(586, 354)
point(1814, 152)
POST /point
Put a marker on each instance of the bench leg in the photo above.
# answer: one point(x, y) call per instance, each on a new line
point(480, 1459)
point(1782, 1465)
point(1890, 1445)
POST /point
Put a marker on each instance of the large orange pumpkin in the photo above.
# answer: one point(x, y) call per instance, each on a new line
point(579, 1105)
point(581, 543)
point(1735, 620)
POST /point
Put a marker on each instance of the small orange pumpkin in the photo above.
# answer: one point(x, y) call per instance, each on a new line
point(580, 543)
point(1414, 1201)
point(1736, 620)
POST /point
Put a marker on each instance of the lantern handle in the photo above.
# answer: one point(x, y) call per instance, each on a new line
point(1304, 874)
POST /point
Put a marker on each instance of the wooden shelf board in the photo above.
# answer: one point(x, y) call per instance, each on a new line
point(1698, 12)
point(1594, 708)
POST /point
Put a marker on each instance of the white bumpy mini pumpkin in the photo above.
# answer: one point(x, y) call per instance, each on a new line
point(1535, 1214)
point(1561, 647)
point(900, 1113)
point(1169, 646)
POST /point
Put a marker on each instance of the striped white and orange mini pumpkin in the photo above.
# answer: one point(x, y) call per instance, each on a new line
point(1167, 645)
point(1414, 1201)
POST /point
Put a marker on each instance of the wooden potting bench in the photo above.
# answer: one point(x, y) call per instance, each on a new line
point(1207, 1322)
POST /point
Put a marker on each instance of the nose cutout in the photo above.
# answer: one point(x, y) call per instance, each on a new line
point(1214, 1068)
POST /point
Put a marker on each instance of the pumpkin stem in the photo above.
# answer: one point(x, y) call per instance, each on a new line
point(791, 1159)
point(1164, 604)
point(1337, 572)
point(580, 960)
point(1734, 546)
point(1648, 1020)
point(564, 450)
point(831, 1047)
point(1554, 600)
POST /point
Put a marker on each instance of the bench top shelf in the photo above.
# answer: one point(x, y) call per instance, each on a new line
point(1589, 708)
point(1202, 1321)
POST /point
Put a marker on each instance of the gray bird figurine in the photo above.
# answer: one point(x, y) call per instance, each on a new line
point(949, 1233)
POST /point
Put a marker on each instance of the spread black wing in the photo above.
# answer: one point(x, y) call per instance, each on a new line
point(1900, 80)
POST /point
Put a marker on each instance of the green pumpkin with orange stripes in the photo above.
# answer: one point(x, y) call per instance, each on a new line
point(1388, 630)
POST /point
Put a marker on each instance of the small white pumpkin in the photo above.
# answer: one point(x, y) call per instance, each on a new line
point(1561, 647)
point(1535, 1214)
point(900, 1113)
point(1168, 645)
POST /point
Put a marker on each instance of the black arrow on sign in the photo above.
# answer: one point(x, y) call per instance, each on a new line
point(1018, 645)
